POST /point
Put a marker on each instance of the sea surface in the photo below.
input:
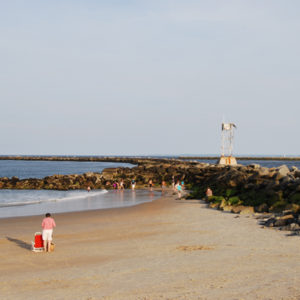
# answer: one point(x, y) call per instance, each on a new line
point(40, 169)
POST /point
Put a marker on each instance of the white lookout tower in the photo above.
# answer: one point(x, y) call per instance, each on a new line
point(227, 145)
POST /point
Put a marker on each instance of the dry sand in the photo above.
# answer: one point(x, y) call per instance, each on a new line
point(167, 249)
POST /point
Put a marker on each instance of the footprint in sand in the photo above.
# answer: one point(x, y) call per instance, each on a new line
point(194, 248)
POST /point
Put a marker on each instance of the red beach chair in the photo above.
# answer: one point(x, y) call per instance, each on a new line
point(38, 244)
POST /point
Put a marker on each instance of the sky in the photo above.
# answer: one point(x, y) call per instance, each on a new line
point(149, 77)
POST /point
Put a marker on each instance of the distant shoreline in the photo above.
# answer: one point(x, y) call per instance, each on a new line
point(243, 157)
point(134, 159)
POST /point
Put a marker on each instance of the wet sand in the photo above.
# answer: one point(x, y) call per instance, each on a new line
point(166, 249)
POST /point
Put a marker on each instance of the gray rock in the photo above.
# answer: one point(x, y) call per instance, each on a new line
point(254, 166)
point(263, 171)
point(247, 210)
point(262, 208)
point(285, 180)
point(227, 208)
point(284, 221)
point(270, 222)
point(294, 226)
point(287, 212)
point(282, 171)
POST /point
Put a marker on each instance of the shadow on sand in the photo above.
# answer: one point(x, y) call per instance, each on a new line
point(19, 243)
point(293, 233)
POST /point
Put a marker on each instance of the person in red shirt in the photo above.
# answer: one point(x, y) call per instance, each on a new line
point(48, 224)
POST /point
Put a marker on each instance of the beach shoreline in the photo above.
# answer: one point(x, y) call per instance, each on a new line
point(165, 249)
point(42, 201)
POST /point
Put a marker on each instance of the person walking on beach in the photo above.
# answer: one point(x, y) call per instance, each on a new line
point(163, 187)
point(173, 183)
point(179, 189)
point(48, 224)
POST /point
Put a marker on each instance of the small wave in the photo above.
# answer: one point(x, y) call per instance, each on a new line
point(81, 196)
point(73, 196)
point(20, 203)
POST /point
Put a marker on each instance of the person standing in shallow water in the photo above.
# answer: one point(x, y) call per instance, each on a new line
point(48, 224)
point(122, 185)
point(150, 184)
point(173, 183)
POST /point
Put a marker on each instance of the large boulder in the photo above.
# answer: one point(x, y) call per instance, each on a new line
point(110, 173)
point(284, 220)
point(263, 172)
point(282, 171)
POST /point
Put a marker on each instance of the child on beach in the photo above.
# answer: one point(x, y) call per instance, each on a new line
point(182, 184)
point(48, 224)
point(150, 184)
point(179, 189)
point(122, 185)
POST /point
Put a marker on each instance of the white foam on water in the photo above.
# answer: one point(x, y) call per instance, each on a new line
point(29, 197)
point(37, 202)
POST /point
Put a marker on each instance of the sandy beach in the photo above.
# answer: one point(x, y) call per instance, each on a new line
point(166, 249)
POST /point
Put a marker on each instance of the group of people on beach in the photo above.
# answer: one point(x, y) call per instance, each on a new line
point(118, 185)
point(121, 185)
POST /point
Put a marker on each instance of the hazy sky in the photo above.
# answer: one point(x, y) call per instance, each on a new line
point(149, 77)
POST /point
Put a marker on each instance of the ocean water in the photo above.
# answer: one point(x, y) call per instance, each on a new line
point(40, 169)
point(15, 203)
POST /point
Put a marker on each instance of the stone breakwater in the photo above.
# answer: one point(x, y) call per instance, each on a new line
point(238, 189)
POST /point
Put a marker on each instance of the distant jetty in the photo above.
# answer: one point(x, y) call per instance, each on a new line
point(289, 158)
point(135, 159)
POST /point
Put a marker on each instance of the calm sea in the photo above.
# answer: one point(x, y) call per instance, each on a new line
point(40, 169)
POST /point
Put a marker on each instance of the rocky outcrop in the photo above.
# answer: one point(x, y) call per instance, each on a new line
point(286, 220)
point(55, 182)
